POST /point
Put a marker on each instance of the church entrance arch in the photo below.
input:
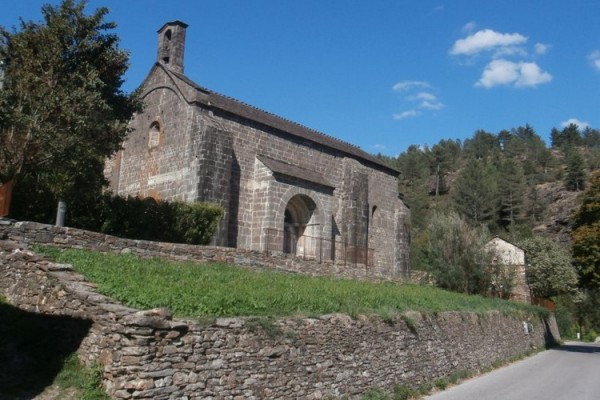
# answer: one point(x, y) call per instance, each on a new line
point(300, 227)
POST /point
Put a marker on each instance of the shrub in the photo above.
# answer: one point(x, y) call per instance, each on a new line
point(148, 219)
point(456, 256)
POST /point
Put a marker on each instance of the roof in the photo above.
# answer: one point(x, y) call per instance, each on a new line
point(176, 22)
point(231, 105)
point(280, 167)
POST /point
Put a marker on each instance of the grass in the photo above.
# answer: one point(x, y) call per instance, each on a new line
point(86, 380)
point(211, 290)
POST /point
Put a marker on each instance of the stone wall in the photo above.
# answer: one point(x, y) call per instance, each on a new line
point(65, 237)
point(147, 354)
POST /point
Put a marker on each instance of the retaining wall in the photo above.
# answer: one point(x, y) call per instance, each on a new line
point(147, 354)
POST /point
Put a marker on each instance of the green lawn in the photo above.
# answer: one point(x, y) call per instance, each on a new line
point(211, 290)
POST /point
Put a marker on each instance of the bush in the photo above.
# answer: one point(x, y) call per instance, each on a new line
point(455, 255)
point(128, 217)
point(148, 219)
point(590, 336)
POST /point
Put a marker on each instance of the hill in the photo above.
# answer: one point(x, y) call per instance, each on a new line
point(512, 182)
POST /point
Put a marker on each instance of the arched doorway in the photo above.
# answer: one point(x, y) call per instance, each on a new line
point(300, 227)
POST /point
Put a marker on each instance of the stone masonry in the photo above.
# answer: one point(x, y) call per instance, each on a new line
point(283, 186)
point(150, 355)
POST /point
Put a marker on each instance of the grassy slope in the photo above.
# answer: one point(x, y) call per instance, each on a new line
point(211, 290)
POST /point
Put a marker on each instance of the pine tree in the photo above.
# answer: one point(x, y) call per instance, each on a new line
point(575, 176)
point(475, 194)
point(511, 192)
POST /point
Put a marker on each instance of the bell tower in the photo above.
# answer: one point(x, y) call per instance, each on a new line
point(171, 45)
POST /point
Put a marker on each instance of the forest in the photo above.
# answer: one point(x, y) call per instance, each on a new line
point(510, 184)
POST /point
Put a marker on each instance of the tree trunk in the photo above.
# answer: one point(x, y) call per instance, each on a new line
point(5, 197)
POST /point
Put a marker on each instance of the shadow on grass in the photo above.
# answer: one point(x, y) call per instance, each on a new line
point(33, 348)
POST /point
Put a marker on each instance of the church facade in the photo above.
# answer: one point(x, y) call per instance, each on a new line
point(284, 187)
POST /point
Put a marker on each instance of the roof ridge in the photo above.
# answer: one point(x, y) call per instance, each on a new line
point(352, 149)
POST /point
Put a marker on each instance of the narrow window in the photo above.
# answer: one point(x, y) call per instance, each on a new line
point(154, 135)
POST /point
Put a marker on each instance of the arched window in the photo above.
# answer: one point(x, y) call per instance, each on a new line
point(154, 135)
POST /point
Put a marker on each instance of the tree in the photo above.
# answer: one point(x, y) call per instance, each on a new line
point(511, 192)
point(575, 176)
point(549, 269)
point(482, 146)
point(568, 137)
point(456, 255)
point(475, 194)
point(586, 236)
point(61, 107)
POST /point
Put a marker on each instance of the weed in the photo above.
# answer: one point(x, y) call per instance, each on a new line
point(87, 380)
point(266, 325)
point(441, 383)
point(410, 324)
point(458, 376)
point(374, 394)
point(403, 392)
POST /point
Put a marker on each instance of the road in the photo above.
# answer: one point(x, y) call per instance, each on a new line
point(569, 372)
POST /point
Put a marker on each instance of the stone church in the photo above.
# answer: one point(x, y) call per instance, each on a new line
point(284, 187)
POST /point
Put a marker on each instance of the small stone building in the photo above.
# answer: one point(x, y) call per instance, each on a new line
point(512, 258)
point(284, 187)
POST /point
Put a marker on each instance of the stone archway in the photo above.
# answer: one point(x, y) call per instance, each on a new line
point(301, 227)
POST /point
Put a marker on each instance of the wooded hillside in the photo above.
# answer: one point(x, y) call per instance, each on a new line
point(510, 181)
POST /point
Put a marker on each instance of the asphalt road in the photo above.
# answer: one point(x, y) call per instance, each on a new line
point(569, 372)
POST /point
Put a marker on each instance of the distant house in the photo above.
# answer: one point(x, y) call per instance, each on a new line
point(512, 257)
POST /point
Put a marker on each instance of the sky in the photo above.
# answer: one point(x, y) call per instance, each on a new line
point(380, 74)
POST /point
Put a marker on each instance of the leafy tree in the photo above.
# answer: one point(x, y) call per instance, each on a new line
point(549, 268)
point(575, 174)
point(586, 236)
point(475, 194)
point(61, 107)
point(456, 255)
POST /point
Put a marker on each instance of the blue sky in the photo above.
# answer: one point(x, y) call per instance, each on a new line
point(379, 74)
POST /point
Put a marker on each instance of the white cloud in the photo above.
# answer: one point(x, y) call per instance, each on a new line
point(484, 40)
point(406, 85)
point(504, 72)
point(378, 146)
point(532, 75)
point(580, 124)
point(428, 101)
point(594, 57)
point(469, 27)
point(406, 114)
point(541, 48)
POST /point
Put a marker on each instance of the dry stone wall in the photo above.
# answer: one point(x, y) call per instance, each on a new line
point(147, 354)
point(65, 237)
